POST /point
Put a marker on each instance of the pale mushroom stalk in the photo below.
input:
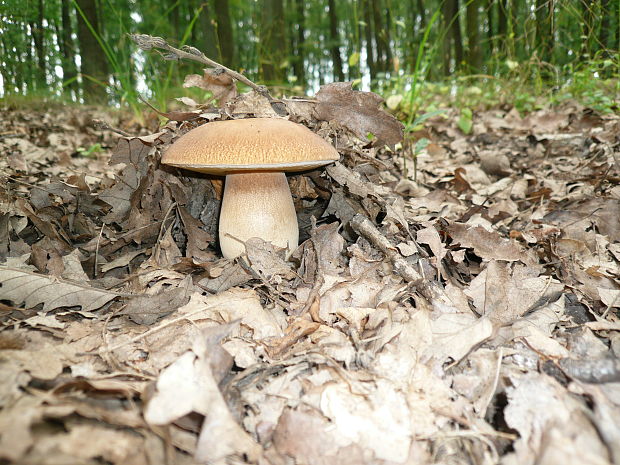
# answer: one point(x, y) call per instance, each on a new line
point(257, 205)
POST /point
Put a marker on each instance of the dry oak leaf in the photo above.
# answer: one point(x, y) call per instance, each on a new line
point(359, 112)
point(220, 84)
point(32, 289)
point(488, 245)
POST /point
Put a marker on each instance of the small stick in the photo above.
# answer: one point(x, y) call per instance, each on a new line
point(147, 42)
point(100, 124)
point(364, 227)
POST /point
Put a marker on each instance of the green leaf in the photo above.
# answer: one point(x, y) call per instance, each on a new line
point(354, 59)
point(465, 122)
point(420, 119)
point(420, 145)
point(393, 101)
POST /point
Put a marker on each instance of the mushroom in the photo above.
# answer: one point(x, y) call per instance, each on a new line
point(254, 154)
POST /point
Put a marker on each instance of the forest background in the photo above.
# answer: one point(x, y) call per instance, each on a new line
point(476, 51)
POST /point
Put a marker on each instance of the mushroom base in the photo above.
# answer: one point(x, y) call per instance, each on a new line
point(257, 204)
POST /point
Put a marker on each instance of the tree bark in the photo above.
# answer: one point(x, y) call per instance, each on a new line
point(502, 24)
point(453, 42)
point(370, 60)
point(225, 33)
point(174, 17)
point(67, 49)
point(94, 66)
point(36, 28)
point(587, 17)
point(378, 32)
point(335, 42)
point(208, 34)
point(605, 32)
point(299, 64)
point(474, 61)
point(544, 29)
point(272, 46)
point(387, 38)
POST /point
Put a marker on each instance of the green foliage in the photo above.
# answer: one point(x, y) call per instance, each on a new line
point(530, 51)
point(90, 152)
point(465, 122)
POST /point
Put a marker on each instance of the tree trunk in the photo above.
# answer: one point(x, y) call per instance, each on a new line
point(387, 38)
point(502, 24)
point(207, 38)
point(94, 67)
point(378, 31)
point(491, 38)
point(587, 22)
point(299, 64)
point(544, 29)
point(452, 37)
point(605, 32)
point(473, 39)
point(37, 31)
point(456, 32)
point(335, 42)
point(174, 17)
point(370, 60)
point(272, 49)
point(225, 33)
point(67, 48)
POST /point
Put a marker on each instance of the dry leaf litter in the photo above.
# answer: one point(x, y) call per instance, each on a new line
point(465, 311)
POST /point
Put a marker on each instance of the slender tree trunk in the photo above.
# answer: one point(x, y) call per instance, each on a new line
point(474, 58)
point(587, 17)
point(207, 39)
point(174, 17)
point(272, 49)
point(67, 48)
point(370, 59)
point(300, 61)
point(446, 44)
point(606, 38)
point(422, 11)
point(10, 77)
point(387, 37)
point(358, 41)
point(299, 64)
point(502, 19)
point(225, 32)
point(544, 29)
point(491, 39)
point(502, 27)
point(36, 28)
point(452, 37)
point(335, 42)
point(94, 67)
point(378, 31)
point(456, 31)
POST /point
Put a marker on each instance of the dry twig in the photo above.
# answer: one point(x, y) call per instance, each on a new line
point(364, 227)
point(147, 42)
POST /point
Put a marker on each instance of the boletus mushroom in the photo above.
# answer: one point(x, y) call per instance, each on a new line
point(253, 154)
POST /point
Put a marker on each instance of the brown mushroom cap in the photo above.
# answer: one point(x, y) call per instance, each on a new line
point(254, 144)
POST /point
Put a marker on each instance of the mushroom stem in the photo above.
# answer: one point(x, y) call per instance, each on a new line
point(257, 204)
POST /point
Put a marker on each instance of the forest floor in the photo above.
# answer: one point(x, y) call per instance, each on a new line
point(464, 309)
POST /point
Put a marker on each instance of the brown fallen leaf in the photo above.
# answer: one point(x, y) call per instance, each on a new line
point(221, 85)
point(359, 112)
point(488, 245)
point(32, 289)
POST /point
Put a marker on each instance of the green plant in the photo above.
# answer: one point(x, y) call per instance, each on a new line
point(119, 59)
point(90, 151)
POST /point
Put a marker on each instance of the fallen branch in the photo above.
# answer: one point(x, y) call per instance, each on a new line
point(364, 227)
point(147, 42)
point(432, 290)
